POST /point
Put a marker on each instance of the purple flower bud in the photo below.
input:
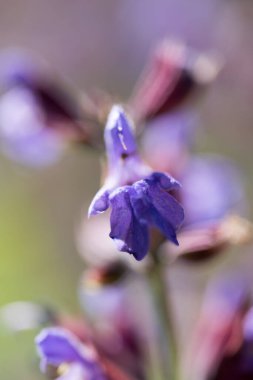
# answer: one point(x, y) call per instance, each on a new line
point(119, 138)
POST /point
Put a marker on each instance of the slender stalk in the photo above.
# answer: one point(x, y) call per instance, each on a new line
point(168, 342)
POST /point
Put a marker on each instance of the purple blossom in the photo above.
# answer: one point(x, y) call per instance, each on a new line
point(72, 359)
point(213, 198)
point(22, 130)
point(38, 115)
point(138, 197)
point(212, 188)
point(170, 138)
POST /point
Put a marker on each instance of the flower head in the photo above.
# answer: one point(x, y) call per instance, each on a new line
point(139, 198)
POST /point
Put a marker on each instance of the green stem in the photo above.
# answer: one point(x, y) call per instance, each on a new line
point(167, 329)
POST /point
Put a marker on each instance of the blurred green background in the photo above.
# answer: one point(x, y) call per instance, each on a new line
point(105, 44)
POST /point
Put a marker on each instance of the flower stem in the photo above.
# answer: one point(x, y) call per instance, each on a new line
point(168, 343)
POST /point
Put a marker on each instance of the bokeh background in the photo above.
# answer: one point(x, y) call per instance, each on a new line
point(106, 43)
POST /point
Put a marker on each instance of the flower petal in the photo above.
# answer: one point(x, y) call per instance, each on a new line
point(57, 346)
point(100, 202)
point(167, 206)
point(129, 233)
point(158, 207)
point(23, 134)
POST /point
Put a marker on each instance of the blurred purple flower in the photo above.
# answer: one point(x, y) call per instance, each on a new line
point(170, 138)
point(213, 198)
point(138, 197)
point(72, 359)
point(38, 116)
point(212, 188)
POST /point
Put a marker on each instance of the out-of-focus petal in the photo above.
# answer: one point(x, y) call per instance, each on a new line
point(57, 346)
point(211, 188)
point(22, 131)
point(129, 233)
point(168, 140)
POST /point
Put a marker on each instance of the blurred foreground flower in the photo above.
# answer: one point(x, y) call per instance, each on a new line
point(136, 203)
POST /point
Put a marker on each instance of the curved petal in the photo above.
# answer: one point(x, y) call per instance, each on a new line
point(129, 233)
point(100, 202)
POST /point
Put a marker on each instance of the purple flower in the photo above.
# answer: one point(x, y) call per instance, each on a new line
point(72, 359)
point(170, 138)
point(213, 198)
point(38, 116)
point(24, 137)
point(138, 197)
point(212, 188)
